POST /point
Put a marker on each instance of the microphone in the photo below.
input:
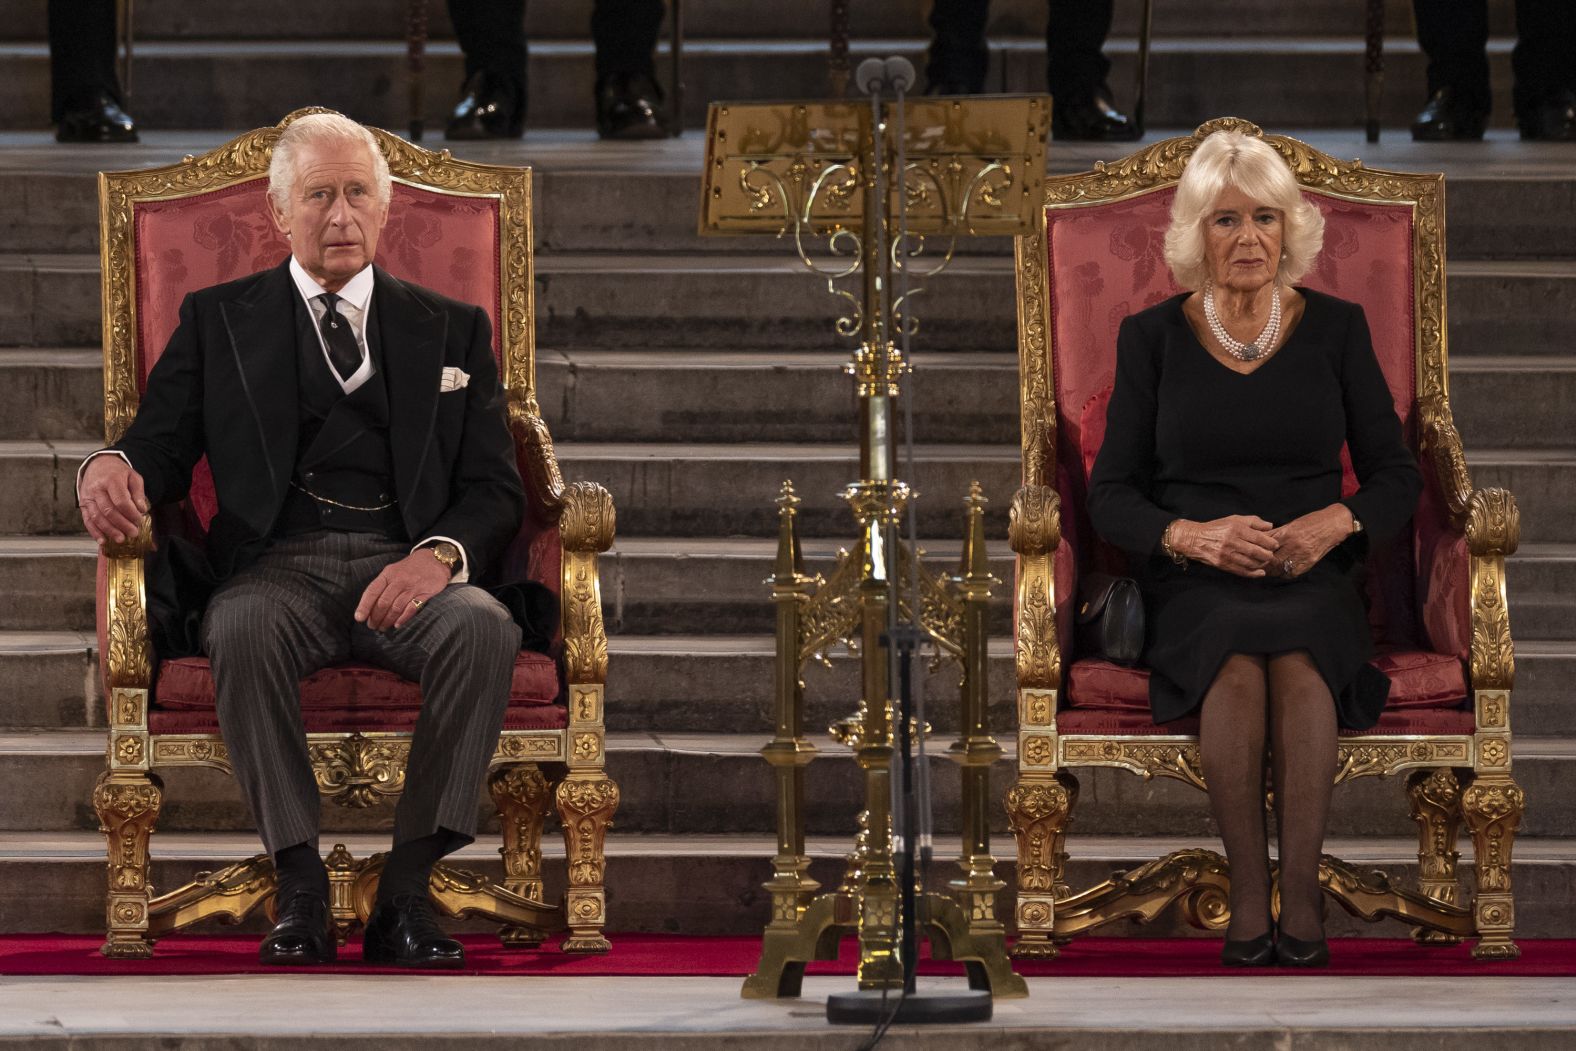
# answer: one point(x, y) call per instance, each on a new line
point(871, 76)
point(899, 73)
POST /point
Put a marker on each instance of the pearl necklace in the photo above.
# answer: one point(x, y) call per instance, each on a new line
point(1239, 350)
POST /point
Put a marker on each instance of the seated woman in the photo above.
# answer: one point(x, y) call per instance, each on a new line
point(1220, 476)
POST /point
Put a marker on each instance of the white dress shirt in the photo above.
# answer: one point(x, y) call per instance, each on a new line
point(355, 301)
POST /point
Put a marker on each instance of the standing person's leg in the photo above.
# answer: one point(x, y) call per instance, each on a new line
point(461, 648)
point(1231, 748)
point(1076, 70)
point(959, 56)
point(85, 100)
point(1303, 751)
point(1545, 66)
point(269, 626)
point(1453, 35)
point(493, 99)
point(628, 98)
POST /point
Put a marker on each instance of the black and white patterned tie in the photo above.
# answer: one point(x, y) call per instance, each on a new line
point(343, 350)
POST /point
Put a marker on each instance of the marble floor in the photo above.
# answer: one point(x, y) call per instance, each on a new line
point(187, 1011)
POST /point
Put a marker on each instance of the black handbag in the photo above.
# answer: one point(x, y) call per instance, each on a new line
point(1110, 618)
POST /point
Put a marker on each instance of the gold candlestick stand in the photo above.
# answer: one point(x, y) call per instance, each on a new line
point(830, 170)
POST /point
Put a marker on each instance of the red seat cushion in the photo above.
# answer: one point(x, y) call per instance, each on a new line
point(1391, 723)
point(351, 697)
point(1418, 681)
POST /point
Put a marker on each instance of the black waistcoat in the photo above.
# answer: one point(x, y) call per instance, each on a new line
point(343, 455)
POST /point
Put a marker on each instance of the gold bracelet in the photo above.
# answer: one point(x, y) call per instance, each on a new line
point(1165, 544)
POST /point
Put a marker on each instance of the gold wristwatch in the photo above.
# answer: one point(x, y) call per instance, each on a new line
point(447, 553)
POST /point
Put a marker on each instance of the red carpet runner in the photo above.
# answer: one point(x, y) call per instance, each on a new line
point(736, 956)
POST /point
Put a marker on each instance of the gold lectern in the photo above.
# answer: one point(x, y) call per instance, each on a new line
point(840, 172)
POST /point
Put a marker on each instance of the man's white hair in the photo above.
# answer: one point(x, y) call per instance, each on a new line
point(321, 129)
point(1232, 159)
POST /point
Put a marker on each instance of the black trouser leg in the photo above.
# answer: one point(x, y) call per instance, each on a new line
point(1453, 34)
point(491, 33)
point(81, 54)
point(625, 34)
point(1075, 61)
point(958, 55)
point(1545, 55)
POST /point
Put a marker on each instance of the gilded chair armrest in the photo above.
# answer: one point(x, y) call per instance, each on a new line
point(586, 528)
point(544, 483)
point(1034, 531)
point(127, 651)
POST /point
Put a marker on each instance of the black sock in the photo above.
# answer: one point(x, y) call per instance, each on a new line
point(299, 870)
point(408, 869)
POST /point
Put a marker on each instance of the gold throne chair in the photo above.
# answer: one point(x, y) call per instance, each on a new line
point(464, 230)
point(1437, 597)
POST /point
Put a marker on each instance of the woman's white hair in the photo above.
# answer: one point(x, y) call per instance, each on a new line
point(321, 129)
point(1232, 159)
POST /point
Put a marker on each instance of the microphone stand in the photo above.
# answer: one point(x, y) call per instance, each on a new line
point(911, 780)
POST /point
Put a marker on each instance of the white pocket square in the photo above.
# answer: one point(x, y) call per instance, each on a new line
point(453, 379)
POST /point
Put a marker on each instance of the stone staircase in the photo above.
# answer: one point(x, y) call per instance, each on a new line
point(691, 377)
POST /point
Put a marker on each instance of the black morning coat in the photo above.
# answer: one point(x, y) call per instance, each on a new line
point(226, 387)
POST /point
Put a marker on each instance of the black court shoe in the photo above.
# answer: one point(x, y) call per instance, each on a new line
point(404, 932)
point(1295, 952)
point(101, 120)
point(1252, 952)
point(1447, 116)
point(303, 935)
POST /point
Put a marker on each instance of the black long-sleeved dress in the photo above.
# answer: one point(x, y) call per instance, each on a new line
point(1187, 437)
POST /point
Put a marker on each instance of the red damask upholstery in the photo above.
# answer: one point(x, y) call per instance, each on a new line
point(1401, 723)
point(1107, 261)
point(444, 242)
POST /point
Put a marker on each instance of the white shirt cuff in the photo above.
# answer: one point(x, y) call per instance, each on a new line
point(462, 574)
point(90, 459)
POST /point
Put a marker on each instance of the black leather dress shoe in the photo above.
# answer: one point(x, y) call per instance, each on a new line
point(1551, 119)
point(1448, 115)
point(1252, 952)
point(1295, 952)
point(1092, 118)
point(405, 933)
point(303, 934)
point(490, 107)
point(629, 106)
point(102, 121)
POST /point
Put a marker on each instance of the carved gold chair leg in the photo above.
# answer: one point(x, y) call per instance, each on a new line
point(521, 794)
point(1493, 805)
point(586, 802)
point(127, 803)
point(1038, 812)
point(1197, 879)
point(1369, 895)
point(228, 895)
point(1435, 799)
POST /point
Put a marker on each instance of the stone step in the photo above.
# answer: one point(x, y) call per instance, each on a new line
point(53, 392)
point(568, 19)
point(1505, 200)
point(712, 884)
point(50, 679)
point(710, 302)
point(1542, 581)
point(1277, 80)
point(674, 489)
point(49, 583)
point(715, 783)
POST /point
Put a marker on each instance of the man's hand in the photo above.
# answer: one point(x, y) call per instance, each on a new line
point(388, 601)
point(1304, 541)
point(1240, 544)
point(112, 500)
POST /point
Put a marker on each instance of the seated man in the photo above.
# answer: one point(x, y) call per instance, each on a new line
point(354, 425)
point(492, 105)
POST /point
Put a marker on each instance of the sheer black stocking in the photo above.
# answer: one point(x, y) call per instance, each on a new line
point(1231, 746)
point(1302, 759)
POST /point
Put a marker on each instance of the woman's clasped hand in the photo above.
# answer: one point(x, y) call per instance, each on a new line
point(1251, 547)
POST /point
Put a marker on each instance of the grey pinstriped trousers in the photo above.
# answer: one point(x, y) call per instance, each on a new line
point(291, 613)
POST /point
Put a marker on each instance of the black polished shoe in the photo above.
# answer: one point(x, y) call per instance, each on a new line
point(1294, 952)
point(1091, 118)
point(304, 934)
point(1254, 952)
point(405, 933)
point(1449, 116)
point(490, 107)
point(102, 121)
point(1551, 119)
point(629, 106)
